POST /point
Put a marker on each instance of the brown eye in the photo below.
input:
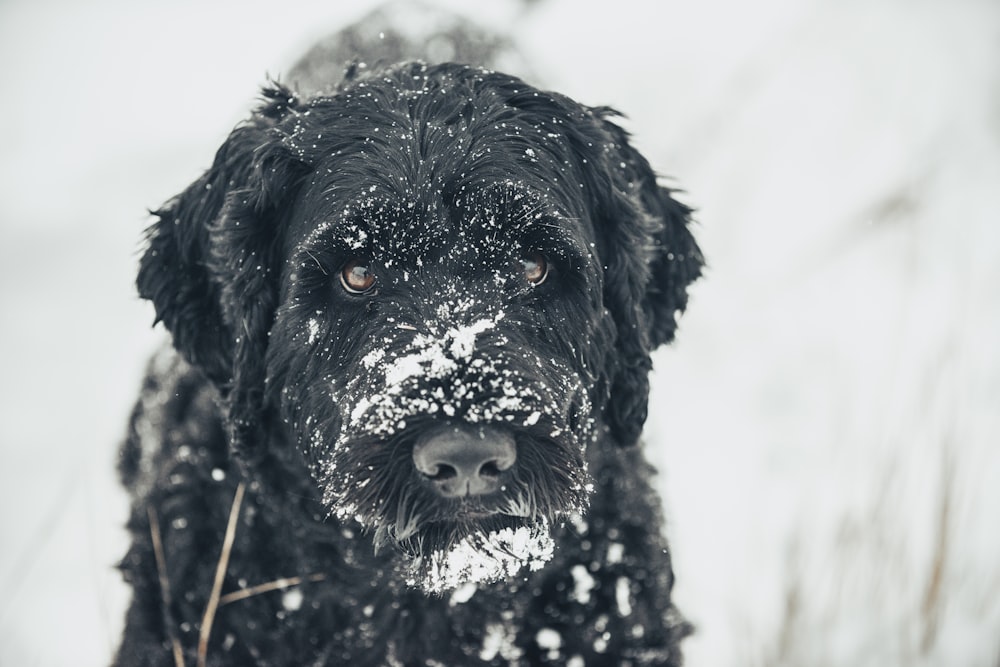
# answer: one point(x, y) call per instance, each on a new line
point(536, 268)
point(356, 277)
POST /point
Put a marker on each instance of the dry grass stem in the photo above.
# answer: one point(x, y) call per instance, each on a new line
point(220, 575)
point(161, 570)
point(277, 584)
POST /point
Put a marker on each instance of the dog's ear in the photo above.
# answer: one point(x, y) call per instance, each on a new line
point(211, 265)
point(650, 259)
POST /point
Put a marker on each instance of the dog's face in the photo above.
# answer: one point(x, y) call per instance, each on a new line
point(447, 284)
point(439, 337)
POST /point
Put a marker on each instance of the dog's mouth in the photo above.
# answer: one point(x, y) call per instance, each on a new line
point(472, 514)
point(473, 510)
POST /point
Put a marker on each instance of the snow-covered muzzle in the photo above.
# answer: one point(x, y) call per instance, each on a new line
point(359, 430)
point(368, 360)
point(469, 374)
point(464, 375)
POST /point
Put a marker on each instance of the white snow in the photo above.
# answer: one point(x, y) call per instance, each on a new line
point(623, 596)
point(462, 594)
point(482, 558)
point(444, 354)
point(499, 640)
point(548, 638)
point(313, 325)
point(371, 359)
point(463, 339)
point(835, 380)
point(583, 584)
point(291, 600)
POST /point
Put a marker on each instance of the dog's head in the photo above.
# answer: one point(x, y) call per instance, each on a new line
point(447, 284)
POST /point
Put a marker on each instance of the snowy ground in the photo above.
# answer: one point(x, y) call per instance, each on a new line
point(828, 423)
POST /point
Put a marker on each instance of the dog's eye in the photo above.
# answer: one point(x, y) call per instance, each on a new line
point(536, 267)
point(357, 277)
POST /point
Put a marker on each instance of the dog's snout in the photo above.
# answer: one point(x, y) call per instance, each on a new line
point(465, 461)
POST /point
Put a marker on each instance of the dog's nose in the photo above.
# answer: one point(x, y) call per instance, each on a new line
point(465, 461)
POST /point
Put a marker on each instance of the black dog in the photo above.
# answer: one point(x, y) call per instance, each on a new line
point(415, 316)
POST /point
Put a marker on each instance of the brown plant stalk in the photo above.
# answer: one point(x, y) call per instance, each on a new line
point(161, 570)
point(220, 575)
point(277, 584)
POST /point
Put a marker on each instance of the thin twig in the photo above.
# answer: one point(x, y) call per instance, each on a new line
point(220, 574)
point(277, 584)
point(161, 570)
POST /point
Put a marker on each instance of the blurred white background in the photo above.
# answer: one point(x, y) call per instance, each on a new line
point(827, 424)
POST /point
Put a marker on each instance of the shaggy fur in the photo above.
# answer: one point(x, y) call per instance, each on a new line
point(278, 516)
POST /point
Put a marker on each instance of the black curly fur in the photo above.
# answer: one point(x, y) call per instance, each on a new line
point(443, 177)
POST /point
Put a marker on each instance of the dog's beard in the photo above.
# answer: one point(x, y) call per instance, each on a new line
point(474, 540)
point(497, 547)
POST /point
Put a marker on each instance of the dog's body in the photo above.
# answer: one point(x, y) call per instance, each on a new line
point(415, 315)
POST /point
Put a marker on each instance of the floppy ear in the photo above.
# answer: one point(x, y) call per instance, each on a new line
point(651, 257)
point(211, 265)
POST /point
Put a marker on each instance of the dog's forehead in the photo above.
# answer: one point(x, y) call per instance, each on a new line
point(491, 221)
point(424, 158)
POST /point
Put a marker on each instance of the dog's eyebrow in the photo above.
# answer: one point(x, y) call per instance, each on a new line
point(528, 217)
point(346, 229)
point(519, 205)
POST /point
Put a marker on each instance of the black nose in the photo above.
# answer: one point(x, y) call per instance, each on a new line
point(465, 461)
